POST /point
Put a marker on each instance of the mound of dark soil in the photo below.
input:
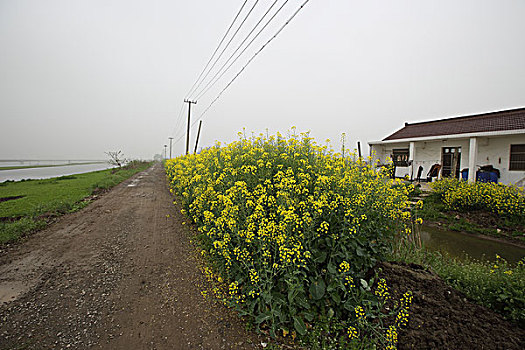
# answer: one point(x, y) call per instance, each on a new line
point(442, 318)
point(10, 198)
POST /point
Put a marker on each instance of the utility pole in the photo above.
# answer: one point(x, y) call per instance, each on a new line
point(198, 134)
point(171, 138)
point(189, 102)
point(165, 151)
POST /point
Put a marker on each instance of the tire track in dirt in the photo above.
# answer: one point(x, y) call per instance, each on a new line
point(119, 274)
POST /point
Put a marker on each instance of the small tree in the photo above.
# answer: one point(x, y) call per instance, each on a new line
point(116, 158)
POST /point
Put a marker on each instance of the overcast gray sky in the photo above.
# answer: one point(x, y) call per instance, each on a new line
point(78, 78)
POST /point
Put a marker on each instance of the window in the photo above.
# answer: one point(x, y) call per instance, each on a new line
point(517, 157)
point(400, 157)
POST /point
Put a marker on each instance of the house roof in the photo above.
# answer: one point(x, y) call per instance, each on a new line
point(512, 119)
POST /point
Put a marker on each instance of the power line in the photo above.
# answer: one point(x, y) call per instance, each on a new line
point(246, 65)
point(196, 84)
point(181, 136)
point(212, 81)
point(228, 44)
point(178, 120)
point(217, 49)
point(251, 59)
point(179, 132)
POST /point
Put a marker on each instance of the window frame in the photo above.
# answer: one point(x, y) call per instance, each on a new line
point(400, 152)
point(514, 164)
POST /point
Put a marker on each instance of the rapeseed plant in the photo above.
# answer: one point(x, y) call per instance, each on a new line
point(291, 225)
point(497, 198)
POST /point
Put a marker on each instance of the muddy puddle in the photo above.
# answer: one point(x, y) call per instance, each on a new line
point(461, 245)
point(10, 291)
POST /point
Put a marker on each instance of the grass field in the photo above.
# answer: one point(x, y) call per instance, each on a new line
point(25, 205)
point(15, 167)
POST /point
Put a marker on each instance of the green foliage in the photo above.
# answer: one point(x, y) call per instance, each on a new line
point(494, 222)
point(465, 196)
point(11, 231)
point(291, 226)
point(443, 186)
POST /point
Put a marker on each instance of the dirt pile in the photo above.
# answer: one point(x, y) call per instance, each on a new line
point(443, 318)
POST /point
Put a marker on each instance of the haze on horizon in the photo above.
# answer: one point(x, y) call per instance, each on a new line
point(79, 78)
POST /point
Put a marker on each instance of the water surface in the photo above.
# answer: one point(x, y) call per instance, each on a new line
point(460, 245)
point(46, 173)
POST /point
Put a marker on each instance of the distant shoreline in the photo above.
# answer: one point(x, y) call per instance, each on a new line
point(15, 167)
point(51, 160)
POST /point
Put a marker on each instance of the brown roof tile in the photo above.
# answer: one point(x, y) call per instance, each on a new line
point(511, 119)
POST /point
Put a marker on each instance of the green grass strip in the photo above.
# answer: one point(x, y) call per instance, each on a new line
point(52, 197)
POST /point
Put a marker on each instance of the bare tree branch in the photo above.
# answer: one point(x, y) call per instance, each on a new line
point(116, 158)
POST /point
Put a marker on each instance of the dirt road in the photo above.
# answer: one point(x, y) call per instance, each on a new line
point(119, 274)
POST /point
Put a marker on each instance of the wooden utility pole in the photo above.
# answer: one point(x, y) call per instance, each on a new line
point(198, 134)
point(171, 138)
point(189, 102)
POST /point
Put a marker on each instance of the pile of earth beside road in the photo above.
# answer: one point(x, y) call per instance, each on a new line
point(443, 318)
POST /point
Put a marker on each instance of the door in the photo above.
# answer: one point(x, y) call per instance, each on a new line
point(451, 160)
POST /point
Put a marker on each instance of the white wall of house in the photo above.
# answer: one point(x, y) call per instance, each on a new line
point(496, 151)
point(383, 151)
point(493, 150)
point(428, 153)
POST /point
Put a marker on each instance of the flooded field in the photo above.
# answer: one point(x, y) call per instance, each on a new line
point(461, 245)
point(52, 168)
point(39, 163)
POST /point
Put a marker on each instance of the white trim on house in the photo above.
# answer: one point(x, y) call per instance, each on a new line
point(452, 136)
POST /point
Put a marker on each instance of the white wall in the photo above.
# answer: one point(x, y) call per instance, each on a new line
point(382, 152)
point(494, 150)
point(428, 153)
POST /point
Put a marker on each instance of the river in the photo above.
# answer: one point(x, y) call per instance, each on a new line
point(48, 172)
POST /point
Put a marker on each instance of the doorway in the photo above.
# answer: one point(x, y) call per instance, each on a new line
point(451, 160)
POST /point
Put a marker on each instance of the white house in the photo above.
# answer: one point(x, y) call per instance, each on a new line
point(468, 142)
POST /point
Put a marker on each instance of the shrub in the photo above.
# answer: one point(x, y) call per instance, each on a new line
point(291, 226)
point(444, 186)
point(496, 198)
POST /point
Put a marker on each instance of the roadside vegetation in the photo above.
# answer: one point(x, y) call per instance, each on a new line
point(290, 230)
point(29, 205)
point(479, 208)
